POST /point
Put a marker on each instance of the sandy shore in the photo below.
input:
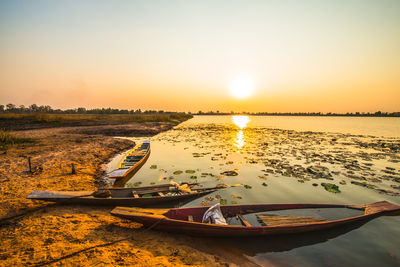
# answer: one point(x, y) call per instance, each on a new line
point(74, 235)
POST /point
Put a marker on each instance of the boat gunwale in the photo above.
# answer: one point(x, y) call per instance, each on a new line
point(216, 227)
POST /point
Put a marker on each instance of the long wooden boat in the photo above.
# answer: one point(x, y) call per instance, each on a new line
point(140, 196)
point(132, 161)
point(188, 220)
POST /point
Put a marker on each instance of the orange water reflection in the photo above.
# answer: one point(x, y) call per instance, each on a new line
point(241, 122)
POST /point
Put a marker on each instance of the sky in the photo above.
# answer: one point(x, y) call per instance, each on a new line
point(300, 56)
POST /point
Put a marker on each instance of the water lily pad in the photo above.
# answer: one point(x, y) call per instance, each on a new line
point(343, 182)
point(152, 183)
point(193, 177)
point(153, 167)
point(314, 184)
point(190, 171)
point(234, 202)
point(230, 173)
point(178, 172)
point(264, 184)
point(204, 203)
point(331, 187)
point(247, 186)
point(223, 201)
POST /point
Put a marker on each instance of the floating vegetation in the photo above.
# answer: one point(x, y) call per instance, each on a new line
point(193, 177)
point(236, 196)
point(304, 156)
point(152, 183)
point(222, 185)
point(204, 203)
point(234, 202)
point(264, 184)
point(133, 184)
point(331, 187)
point(230, 173)
point(218, 197)
point(247, 186)
point(223, 201)
point(236, 185)
point(177, 172)
point(370, 186)
point(153, 167)
point(190, 171)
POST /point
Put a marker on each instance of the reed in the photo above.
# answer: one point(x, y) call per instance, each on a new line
point(6, 138)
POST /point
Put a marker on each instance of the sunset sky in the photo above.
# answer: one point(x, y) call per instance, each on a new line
point(295, 56)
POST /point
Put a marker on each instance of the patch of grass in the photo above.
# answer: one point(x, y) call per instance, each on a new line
point(6, 138)
point(50, 120)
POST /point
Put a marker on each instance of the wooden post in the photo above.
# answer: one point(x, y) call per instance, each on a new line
point(73, 169)
point(30, 165)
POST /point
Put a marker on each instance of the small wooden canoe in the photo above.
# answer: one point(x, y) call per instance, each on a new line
point(132, 161)
point(140, 196)
point(188, 220)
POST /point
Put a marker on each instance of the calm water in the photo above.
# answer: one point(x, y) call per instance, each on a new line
point(270, 156)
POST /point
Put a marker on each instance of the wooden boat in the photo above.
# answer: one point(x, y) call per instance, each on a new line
point(132, 161)
point(140, 196)
point(188, 220)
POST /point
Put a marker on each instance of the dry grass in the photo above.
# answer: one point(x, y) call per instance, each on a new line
point(10, 120)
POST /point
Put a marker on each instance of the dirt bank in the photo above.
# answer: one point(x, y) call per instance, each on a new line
point(67, 235)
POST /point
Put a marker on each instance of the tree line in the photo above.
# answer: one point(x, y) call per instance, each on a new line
point(11, 108)
point(348, 114)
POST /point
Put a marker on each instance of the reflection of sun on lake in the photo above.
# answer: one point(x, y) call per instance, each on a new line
point(239, 142)
point(241, 122)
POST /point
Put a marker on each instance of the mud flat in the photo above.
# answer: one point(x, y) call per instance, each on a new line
point(34, 233)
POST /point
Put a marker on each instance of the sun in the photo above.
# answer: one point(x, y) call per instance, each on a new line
point(242, 87)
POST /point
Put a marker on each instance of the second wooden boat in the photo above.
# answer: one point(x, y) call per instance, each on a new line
point(132, 161)
point(189, 220)
point(139, 196)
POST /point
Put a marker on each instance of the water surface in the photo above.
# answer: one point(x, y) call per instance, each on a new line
point(288, 160)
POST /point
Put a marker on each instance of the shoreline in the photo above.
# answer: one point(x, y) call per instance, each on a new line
point(47, 233)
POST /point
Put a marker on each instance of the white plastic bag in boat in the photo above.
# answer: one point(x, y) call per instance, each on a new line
point(214, 215)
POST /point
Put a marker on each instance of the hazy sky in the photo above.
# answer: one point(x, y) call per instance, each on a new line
point(336, 56)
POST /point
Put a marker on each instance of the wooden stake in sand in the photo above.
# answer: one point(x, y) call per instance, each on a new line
point(30, 165)
point(73, 169)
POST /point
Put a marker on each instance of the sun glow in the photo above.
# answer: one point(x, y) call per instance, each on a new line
point(242, 87)
point(240, 121)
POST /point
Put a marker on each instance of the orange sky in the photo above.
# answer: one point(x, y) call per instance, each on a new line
point(303, 56)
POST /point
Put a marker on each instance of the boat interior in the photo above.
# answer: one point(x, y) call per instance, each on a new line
point(271, 218)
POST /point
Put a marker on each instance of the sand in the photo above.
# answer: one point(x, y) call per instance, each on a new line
point(46, 234)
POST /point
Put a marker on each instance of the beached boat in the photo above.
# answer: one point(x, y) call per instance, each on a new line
point(251, 220)
point(139, 196)
point(132, 161)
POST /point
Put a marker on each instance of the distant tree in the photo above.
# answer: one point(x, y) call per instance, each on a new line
point(81, 110)
point(11, 107)
point(1, 108)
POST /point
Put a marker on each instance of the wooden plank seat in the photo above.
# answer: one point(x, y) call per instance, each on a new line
point(243, 220)
point(275, 220)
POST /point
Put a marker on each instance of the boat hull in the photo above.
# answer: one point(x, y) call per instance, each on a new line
point(164, 223)
point(85, 198)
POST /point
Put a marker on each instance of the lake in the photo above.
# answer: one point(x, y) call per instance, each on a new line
point(285, 159)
